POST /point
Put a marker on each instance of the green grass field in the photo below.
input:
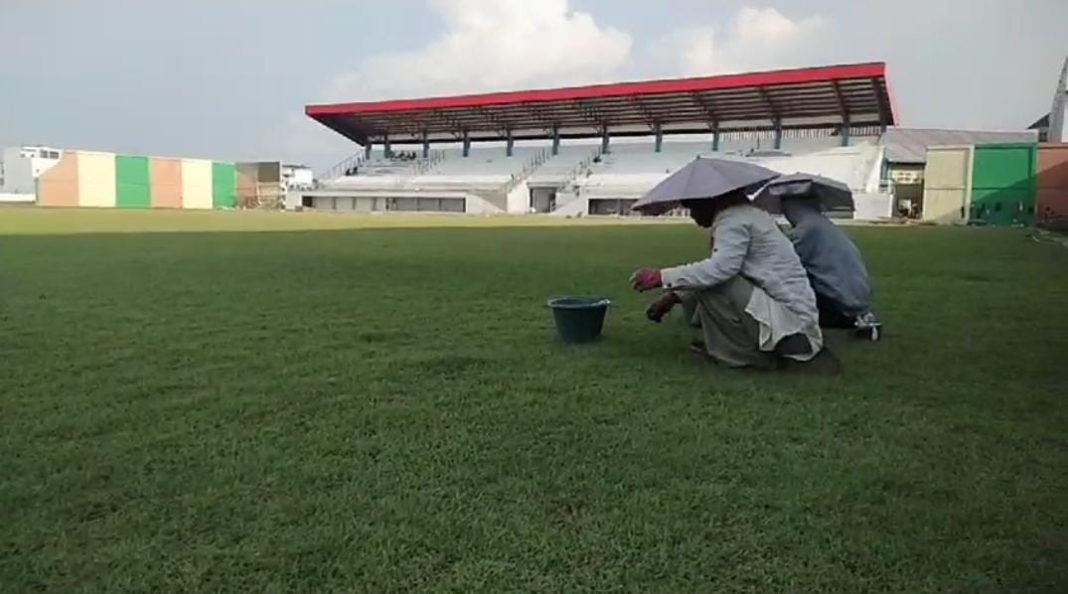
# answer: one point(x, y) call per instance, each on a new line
point(232, 402)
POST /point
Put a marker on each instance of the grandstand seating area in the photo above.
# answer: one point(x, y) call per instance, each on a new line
point(585, 181)
point(566, 165)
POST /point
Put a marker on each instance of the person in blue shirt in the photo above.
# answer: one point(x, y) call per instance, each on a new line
point(835, 268)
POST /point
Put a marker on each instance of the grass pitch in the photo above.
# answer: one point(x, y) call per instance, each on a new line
point(233, 402)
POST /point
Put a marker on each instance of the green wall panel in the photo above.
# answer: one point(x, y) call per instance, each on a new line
point(1003, 184)
point(223, 185)
point(133, 186)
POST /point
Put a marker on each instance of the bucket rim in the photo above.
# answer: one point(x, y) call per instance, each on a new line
point(583, 302)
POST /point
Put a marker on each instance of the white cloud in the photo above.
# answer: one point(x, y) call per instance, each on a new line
point(755, 39)
point(493, 45)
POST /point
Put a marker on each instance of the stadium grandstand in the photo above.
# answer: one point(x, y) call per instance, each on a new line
point(596, 149)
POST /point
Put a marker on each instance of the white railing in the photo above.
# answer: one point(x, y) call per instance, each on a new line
point(583, 167)
point(398, 173)
point(342, 166)
point(425, 165)
point(529, 167)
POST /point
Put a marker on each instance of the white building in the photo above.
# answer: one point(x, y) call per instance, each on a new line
point(20, 168)
point(297, 177)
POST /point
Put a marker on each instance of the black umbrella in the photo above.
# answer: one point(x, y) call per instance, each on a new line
point(703, 179)
point(831, 194)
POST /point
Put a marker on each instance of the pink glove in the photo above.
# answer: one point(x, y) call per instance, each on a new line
point(645, 279)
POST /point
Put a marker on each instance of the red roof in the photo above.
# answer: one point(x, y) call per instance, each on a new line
point(803, 98)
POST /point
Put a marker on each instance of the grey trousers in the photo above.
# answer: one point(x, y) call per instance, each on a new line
point(731, 336)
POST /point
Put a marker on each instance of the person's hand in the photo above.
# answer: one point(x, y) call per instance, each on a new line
point(645, 279)
point(661, 306)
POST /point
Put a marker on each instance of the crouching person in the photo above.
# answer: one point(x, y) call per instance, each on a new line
point(835, 268)
point(751, 298)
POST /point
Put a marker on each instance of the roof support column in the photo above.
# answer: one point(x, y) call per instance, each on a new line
point(426, 146)
point(385, 146)
point(778, 133)
point(659, 137)
point(846, 128)
point(467, 143)
point(367, 149)
point(509, 147)
point(605, 149)
point(715, 139)
point(556, 140)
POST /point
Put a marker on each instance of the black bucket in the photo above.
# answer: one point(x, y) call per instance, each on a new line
point(579, 319)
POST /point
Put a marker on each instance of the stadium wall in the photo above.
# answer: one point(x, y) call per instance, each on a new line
point(947, 184)
point(132, 182)
point(990, 184)
point(1003, 184)
point(88, 179)
point(394, 201)
point(1052, 182)
point(59, 185)
point(166, 182)
point(96, 179)
point(196, 184)
point(223, 185)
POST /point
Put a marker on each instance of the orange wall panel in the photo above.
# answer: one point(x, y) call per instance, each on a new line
point(59, 185)
point(1052, 199)
point(166, 183)
point(1053, 166)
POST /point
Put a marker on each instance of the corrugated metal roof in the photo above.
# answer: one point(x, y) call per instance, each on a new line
point(909, 145)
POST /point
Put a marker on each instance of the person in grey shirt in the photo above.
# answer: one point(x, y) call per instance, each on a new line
point(751, 297)
point(835, 267)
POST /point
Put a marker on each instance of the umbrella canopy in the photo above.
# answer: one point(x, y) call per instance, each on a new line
point(703, 179)
point(831, 194)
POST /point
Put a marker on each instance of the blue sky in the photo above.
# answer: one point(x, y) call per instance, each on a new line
point(228, 79)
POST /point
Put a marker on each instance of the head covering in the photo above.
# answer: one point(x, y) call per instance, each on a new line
point(703, 179)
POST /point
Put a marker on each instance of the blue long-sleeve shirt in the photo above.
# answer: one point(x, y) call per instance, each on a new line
point(834, 264)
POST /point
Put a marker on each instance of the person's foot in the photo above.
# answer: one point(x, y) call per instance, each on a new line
point(868, 327)
point(872, 333)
